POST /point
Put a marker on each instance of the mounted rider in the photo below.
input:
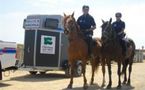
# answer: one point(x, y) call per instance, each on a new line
point(119, 27)
point(87, 24)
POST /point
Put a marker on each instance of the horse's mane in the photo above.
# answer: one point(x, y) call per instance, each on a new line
point(80, 33)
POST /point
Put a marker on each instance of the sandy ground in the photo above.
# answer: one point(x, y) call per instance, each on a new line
point(55, 80)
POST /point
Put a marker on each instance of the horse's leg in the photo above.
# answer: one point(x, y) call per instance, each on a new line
point(125, 77)
point(95, 64)
point(84, 75)
point(124, 71)
point(119, 74)
point(103, 71)
point(130, 69)
point(93, 71)
point(72, 64)
point(110, 74)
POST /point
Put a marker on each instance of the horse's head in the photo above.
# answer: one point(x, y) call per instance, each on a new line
point(69, 23)
point(107, 32)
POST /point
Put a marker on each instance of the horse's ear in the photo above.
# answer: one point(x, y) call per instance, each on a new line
point(73, 14)
point(110, 20)
point(64, 14)
point(103, 21)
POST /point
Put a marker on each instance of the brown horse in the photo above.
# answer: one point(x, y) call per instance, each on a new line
point(112, 50)
point(78, 49)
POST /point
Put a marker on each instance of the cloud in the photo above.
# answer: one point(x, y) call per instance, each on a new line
point(42, 3)
point(47, 3)
point(133, 15)
point(11, 26)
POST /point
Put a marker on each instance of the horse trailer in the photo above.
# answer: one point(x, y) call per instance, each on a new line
point(45, 45)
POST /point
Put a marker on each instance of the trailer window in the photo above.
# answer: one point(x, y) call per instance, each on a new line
point(51, 23)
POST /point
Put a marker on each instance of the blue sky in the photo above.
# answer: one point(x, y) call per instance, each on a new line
point(12, 13)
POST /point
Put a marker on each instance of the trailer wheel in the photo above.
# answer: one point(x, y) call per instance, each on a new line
point(78, 70)
point(67, 72)
point(33, 72)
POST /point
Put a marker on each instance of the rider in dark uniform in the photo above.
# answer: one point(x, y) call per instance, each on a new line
point(87, 25)
point(119, 27)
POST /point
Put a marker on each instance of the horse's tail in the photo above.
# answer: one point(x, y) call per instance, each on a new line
point(127, 61)
point(133, 46)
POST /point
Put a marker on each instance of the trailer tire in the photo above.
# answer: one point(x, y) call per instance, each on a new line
point(78, 70)
point(67, 72)
point(33, 72)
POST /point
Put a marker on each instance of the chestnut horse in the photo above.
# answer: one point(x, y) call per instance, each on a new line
point(78, 49)
point(112, 50)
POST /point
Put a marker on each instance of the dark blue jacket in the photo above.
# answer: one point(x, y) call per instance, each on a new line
point(118, 26)
point(85, 22)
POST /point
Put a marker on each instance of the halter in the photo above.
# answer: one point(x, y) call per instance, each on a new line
point(69, 27)
point(108, 35)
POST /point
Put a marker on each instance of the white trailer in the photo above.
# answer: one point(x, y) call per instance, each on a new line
point(8, 55)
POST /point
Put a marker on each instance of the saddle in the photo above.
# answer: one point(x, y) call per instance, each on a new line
point(91, 43)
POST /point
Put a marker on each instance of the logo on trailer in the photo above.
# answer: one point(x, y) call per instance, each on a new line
point(48, 40)
point(47, 44)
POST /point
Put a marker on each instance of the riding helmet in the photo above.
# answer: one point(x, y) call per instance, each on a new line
point(118, 14)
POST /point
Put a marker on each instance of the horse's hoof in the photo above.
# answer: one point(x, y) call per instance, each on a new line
point(91, 83)
point(69, 86)
point(103, 85)
point(128, 84)
point(119, 87)
point(85, 86)
point(108, 87)
point(124, 82)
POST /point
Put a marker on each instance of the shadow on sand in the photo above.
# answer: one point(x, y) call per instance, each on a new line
point(39, 77)
point(97, 87)
point(4, 85)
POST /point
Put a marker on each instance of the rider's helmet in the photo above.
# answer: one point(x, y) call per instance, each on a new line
point(118, 14)
point(85, 7)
